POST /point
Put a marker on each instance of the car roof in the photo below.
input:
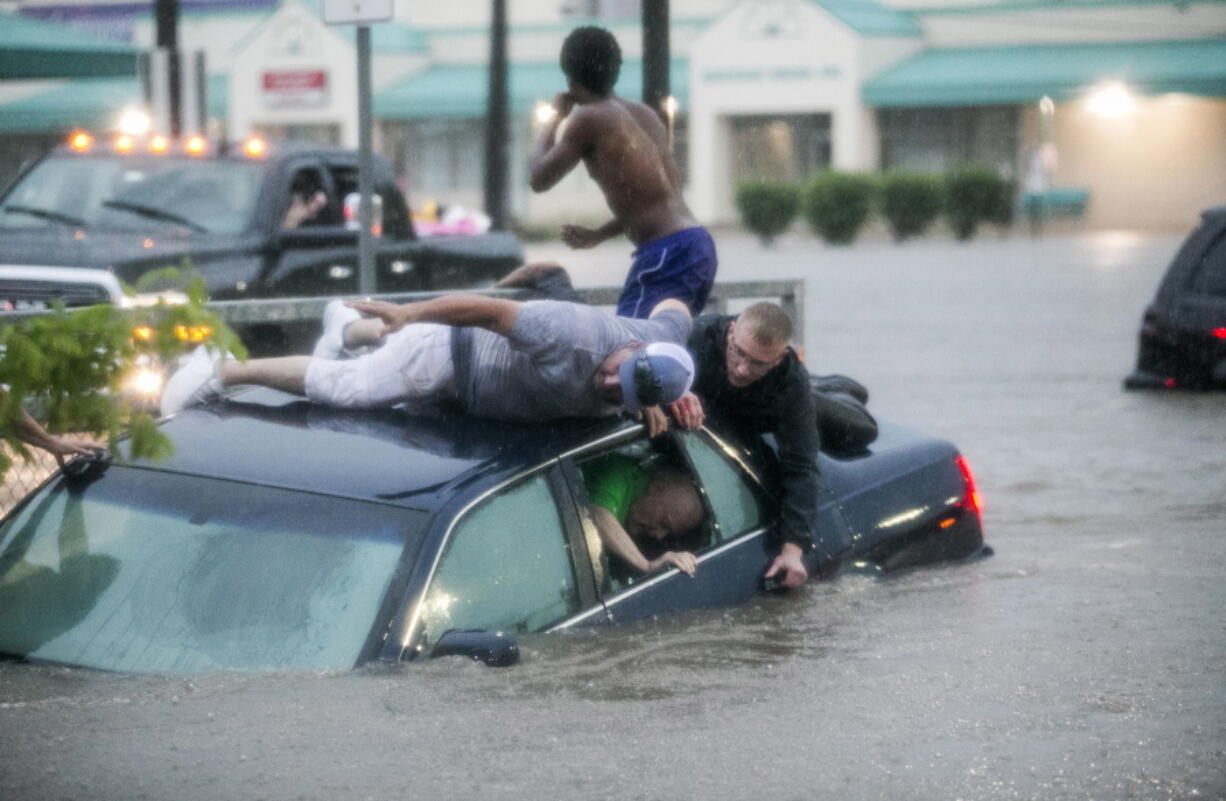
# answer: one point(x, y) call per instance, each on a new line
point(262, 436)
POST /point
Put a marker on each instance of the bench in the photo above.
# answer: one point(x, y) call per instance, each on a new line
point(1040, 206)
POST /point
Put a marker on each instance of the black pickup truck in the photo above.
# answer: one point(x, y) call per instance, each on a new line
point(235, 217)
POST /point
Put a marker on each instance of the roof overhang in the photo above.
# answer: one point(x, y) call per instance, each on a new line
point(31, 49)
point(460, 90)
point(1023, 74)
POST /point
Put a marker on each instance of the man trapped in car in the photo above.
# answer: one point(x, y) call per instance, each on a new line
point(626, 150)
point(630, 505)
point(495, 358)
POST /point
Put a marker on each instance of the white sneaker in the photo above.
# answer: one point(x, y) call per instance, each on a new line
point(331, 344)
point(195, 382)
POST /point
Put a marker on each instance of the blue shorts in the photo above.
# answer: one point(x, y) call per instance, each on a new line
point(680, 265)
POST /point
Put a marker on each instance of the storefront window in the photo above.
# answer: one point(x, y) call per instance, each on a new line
point(441, 155)
point(785, 148)
point(938, 139)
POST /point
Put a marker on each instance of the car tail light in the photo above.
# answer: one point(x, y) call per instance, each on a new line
point(973, 500)
point(1220, 333)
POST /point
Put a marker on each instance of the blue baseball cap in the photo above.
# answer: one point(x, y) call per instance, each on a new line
point(657, 373)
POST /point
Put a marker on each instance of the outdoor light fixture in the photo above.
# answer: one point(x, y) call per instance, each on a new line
point(159, 144)
point(81, 142)
point(544, 113)
point(124, 143)
point(1112, 99)
point(195, 145)
point(135, 121)
point(255, 147)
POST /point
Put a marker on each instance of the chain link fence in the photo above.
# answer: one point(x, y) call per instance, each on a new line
point(25, 475)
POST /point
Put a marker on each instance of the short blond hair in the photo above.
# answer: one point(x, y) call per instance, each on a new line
point(768, 324)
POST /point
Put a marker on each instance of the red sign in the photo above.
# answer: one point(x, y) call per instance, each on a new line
point(295, 88)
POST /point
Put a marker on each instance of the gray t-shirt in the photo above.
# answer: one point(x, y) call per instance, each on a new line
point(544, 370)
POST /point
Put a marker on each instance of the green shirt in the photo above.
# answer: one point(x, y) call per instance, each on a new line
point(614, 482)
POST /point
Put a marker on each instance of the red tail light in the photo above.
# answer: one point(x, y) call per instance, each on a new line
point(1220, 333)
point(973, 501)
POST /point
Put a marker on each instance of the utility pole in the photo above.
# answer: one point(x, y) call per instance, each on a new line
point(497, 116)
point(166, 14)
point(656, 57)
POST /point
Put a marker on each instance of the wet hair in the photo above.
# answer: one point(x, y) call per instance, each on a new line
point(592, 59)
point(676, 483)
point(768, 324)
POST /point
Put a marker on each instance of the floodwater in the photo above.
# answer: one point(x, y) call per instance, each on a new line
point(1086, 660)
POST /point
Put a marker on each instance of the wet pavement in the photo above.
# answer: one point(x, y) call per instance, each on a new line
point(1086, 660)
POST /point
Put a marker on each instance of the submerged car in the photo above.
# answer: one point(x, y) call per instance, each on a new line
point(1183, 331)
point(285, 535)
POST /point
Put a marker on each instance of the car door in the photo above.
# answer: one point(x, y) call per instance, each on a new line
point(508, 563)
point(733, 550)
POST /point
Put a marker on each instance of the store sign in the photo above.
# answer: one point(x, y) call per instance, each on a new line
point(361, 12)
point(295, 88)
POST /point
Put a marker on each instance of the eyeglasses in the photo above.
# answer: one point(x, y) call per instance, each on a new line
point(756, 365)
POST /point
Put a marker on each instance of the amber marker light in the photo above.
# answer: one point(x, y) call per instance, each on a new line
point(255, 148)
point(947, 522)
point(124, 143)
point(143, 333)
point(159, 144)
point(81, 142)
point(193, 333)
point(195, 145)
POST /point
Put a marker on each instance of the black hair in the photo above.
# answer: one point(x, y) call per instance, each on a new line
point(592, 59)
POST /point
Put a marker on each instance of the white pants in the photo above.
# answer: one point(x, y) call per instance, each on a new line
point(412, 367)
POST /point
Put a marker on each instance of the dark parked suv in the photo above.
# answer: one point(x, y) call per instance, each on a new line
point(1183, 332)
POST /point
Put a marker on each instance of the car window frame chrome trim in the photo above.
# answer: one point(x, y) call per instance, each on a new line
point(407, 633)
point(634, 589)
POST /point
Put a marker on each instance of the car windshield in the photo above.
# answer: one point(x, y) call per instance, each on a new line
point(144, 571)
point(135, 193)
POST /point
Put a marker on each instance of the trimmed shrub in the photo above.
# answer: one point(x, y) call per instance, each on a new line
point(837, 204)
point(1001, 211)
point(910, 202)
point(972, 196)
point(767, 209)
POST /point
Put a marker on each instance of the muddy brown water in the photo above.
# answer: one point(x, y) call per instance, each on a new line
point(1086, 660)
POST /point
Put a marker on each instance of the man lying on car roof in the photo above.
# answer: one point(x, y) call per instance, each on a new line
point(496, 358)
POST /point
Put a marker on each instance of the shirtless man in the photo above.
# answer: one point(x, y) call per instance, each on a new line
point(625, 148)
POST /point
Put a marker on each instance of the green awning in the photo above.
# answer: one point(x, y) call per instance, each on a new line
point(459, 90)
point(32, 49)
point(91, 104)
point(1024, 74)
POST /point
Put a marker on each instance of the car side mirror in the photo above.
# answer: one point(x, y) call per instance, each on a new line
point(491, 647)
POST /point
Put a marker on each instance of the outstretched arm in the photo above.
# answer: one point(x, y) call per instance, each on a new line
point(493, 314)
point(616, 540)
point(30, 432)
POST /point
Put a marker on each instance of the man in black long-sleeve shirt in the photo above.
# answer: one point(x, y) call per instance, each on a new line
point(752, 383)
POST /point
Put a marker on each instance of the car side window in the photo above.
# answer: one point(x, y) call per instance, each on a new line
point(1210, 275)
point(734, 502)
point(507, 566)
point(308, 204)
point(616, 480)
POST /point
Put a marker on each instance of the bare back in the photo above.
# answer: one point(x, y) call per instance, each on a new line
point(625, 148)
